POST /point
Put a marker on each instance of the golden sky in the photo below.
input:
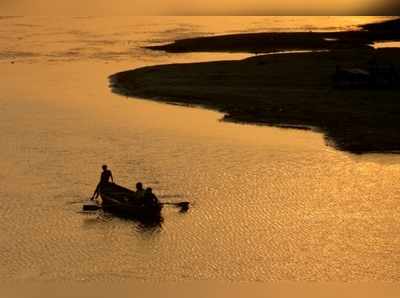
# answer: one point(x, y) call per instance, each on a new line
point(191, 7)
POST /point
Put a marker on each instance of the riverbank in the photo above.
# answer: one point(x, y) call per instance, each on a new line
point(295, 90)
point(284, 41)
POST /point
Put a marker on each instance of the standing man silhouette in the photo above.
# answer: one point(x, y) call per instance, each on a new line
point(105, 178)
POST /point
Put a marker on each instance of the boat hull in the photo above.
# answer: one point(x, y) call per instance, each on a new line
point(120, 201)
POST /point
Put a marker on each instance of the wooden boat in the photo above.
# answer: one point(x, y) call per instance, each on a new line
point(121, 201)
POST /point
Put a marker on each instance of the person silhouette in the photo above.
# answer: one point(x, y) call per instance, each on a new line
point(139, 194)
point(150, 199)
point(105, 178)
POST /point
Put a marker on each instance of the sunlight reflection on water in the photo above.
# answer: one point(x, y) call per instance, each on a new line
point(387, 44)
point(268, 204)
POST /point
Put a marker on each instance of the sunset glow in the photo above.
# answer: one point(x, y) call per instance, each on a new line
point(187, 144)
point(195, 7)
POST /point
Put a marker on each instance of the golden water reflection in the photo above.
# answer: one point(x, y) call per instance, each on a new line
point(268, 204)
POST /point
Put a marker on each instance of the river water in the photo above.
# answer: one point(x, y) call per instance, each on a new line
point(268, 204)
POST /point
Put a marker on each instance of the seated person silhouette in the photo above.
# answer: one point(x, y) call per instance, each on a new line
point(150, 199)
point(139, 194)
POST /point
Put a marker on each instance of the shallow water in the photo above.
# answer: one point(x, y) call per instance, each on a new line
point(268, 204)
point(386, 44)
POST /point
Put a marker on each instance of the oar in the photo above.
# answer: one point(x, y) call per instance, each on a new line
point(92, 206)
point(183, 205)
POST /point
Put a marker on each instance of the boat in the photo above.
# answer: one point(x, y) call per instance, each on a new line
point(120, 201)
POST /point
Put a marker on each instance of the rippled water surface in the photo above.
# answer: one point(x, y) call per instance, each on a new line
point(268, 204)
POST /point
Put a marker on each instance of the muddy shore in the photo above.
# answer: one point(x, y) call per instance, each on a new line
point(269, 42)
point(295, 90)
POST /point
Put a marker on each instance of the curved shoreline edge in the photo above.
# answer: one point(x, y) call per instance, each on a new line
point(270, 42)
point(291, 90)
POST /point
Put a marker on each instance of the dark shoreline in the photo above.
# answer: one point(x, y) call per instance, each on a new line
point(292, 90)
point(281, 41)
